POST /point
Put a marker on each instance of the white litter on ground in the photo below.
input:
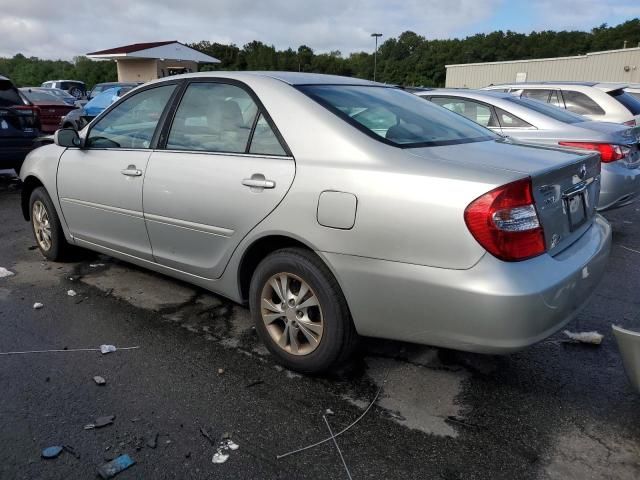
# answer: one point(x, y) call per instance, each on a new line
point(594, 338)
point(221, 454)
point(71, 293)
point(96, 265)
point(38, 306)
point(104, 349)
point(630, 249)
point(5, 273)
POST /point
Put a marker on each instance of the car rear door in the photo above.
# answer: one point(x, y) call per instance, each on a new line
point(224, 168)
point(100, 185)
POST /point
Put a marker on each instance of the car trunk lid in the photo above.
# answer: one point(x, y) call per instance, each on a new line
point(566, 183)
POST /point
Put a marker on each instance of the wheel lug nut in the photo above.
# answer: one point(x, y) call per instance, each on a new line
point(299, 314)
point(291, 303)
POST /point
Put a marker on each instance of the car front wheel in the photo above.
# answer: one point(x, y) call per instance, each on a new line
point(300, 312)
point(46, 226)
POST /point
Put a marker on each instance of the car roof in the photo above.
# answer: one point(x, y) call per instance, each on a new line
point(457, 92)
point(291, 78)
point(606, 86)
point(73, 81)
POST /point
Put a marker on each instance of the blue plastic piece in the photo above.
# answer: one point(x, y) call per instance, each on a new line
point(51, 452)
point(115, 466)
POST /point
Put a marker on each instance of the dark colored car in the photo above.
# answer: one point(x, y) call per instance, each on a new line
point(19, 125)
point(52, 110)
point(98, 88)
point(75, 87)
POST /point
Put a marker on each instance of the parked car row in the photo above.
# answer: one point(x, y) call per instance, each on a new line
point(335, 207)
point(28, 113)
point(531, 121)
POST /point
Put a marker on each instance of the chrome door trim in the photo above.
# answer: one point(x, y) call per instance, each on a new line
point(198, 227)
point(224, 154)
point(98, 206)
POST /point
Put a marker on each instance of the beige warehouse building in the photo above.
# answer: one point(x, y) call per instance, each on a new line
point(142, 62)
point(622, 66)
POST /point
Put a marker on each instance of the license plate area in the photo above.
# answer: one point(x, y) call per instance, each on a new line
point(576, 208)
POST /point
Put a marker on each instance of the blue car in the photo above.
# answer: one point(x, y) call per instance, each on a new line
point(78, 118)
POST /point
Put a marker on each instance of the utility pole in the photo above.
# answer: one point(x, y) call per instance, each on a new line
point(375, 55)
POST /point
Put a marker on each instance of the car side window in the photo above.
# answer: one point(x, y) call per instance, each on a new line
point(213, 117)
point(580, 103)
point(475, 111)
point(264, 140)
point(508, 120)
point(540, 94)
point(133, 122)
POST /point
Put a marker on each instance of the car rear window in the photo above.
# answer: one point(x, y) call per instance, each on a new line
point(40, 96)
point(396, 117)
point(9, 95)
point(629, 101)
point(549, 110)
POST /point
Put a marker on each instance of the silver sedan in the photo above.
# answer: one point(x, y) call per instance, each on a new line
point(531, 121)
point(334, 207)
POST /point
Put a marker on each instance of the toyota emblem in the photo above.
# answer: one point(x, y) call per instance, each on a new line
point(582, 172)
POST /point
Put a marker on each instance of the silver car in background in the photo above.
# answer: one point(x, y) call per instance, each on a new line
point(600, 101)
point(532, 121)
point(332, 206)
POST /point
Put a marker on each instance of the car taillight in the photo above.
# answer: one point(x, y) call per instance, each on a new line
point(608, 152)
point(505, 222)
point(630, 123)
point(35, 110)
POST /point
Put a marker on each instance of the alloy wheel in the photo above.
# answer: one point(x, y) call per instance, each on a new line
point(292, 314)
point(41, 225)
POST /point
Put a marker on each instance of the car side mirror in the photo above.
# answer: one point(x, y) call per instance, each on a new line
point(67, 137)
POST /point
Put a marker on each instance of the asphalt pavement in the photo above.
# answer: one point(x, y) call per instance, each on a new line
point(200, 376)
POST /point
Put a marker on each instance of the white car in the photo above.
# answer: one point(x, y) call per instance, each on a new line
point(604, 102)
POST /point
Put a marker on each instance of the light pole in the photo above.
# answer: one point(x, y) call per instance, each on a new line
point(375, 55)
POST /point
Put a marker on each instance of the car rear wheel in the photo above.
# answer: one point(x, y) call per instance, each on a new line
point(300, 312)
point(46, 226)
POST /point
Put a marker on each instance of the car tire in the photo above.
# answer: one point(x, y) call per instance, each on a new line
point(312, 330)
point(46, 226)
point(76, 92)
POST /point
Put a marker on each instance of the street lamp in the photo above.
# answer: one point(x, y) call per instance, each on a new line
point(375, 55)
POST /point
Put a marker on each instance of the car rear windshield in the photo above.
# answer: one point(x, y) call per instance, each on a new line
point(39, 96)
point(9, 95)
point(628, 100)
point(556, 113)
point(396, 117)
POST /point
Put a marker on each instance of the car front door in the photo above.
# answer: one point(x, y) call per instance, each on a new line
point(100, 184)
point(223, 170)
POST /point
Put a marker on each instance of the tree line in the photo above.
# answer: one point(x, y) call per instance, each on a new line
point(409, 59)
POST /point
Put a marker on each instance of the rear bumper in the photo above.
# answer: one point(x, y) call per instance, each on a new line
point(13, 151)
point(619, 185)
point(493, 307)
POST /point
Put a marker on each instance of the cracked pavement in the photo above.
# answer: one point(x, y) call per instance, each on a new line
point(554, 411)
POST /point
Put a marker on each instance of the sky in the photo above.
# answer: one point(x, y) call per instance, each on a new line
point(47, 29)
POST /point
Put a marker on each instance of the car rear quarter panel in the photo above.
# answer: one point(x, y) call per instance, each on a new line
point(409, 208)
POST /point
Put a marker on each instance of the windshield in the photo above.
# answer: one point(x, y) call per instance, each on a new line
point(629, 101)
point(396, 117)
point(556, 113)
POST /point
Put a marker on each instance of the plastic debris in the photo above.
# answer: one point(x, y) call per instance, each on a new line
point(328, 411)
point(99, 380)
point(5, 273)
point(222, 452)
point(38, 305)
point(100, 422)
point(220, 371)
point(104, 349)
point(115, 466)
point(153, 442)
point(72, 293)
point(51, 452)
point(65, 349)
point(593, 338)
point(96, 265)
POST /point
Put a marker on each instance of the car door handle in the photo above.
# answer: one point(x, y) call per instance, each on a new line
point(131, 171)
point(258, 183)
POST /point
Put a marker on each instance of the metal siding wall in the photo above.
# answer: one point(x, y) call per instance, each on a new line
point(605, 67)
